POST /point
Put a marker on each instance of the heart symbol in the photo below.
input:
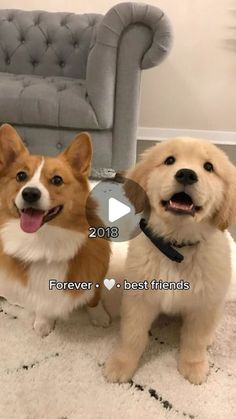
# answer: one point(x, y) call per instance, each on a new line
point(109, 283)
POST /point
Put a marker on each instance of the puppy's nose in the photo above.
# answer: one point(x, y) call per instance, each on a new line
point(186, 176)
point(31, 194)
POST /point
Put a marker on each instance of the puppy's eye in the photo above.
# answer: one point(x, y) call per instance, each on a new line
point(169, 160)
point(21, 176)
point(56, 180)
point(208, 166)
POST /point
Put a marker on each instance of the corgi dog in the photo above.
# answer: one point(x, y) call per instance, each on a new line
point(44, 232)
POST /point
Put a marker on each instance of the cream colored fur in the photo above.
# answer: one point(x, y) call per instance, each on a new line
point(206, 266)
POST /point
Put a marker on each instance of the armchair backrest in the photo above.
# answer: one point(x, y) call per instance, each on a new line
point(45, 43)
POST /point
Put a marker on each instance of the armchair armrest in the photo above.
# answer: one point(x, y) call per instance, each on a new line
point(102, 61)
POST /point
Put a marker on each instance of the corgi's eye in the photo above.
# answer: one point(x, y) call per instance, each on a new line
point(208, 166)
point(56, 180)
point(21, 176)
point(169, 160)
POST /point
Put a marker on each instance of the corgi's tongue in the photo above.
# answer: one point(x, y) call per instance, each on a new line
point(31, 220)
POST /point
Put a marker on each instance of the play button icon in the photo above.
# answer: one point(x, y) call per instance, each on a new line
point(120, 221)
point(117, 210)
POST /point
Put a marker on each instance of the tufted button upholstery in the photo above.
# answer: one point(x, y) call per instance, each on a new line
point(59, 146)
point(48, 101)
point(61, 87)
point(62, 73)
point(24, 35)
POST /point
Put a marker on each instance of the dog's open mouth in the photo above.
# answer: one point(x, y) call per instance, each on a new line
point(181, 203)
point(32, 219)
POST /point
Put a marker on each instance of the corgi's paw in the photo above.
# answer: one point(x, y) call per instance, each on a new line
point(195, 372)
point(43, 327)
point(98, 315)
point(120, 367)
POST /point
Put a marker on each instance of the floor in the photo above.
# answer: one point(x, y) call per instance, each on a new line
point(61, 376)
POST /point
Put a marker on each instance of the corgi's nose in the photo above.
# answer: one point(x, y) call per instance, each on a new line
point(31, 194)
point(186, 176)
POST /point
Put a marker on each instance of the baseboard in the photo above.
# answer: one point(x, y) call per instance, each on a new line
point(160, 134)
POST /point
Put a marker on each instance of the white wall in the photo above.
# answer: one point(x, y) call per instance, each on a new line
point(196, 86)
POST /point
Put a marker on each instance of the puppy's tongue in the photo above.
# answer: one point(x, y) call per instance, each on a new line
point(31, 220)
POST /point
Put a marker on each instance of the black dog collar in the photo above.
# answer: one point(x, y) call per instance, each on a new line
point(164, 246)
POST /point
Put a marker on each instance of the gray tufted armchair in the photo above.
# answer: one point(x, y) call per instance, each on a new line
point(61, 73)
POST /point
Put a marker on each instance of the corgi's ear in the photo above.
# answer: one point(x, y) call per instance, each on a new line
point(226, 215)
point(11, 145)
point(79, 153)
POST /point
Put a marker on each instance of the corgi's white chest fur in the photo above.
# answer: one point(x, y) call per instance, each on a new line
point(50, 243)
point(48, 252)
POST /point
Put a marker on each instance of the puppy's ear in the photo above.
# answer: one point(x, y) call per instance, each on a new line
point(135, 186)
point(11, 146)
point(226, 215)
point(79, 153)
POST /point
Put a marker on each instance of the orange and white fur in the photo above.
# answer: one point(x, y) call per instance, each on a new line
point(44, 231)
point(194, 209)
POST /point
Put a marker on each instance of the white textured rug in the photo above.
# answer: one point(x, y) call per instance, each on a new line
point(60, 376)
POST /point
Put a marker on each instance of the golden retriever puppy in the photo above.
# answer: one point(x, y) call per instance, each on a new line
point(191, 189)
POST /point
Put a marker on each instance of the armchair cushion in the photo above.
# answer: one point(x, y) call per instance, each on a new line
point(48, 101)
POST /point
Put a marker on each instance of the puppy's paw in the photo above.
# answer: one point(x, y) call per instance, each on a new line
point(195, 372)
point(119, 368)
point(43, 327)
point(101, 321)
point(98, 316)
